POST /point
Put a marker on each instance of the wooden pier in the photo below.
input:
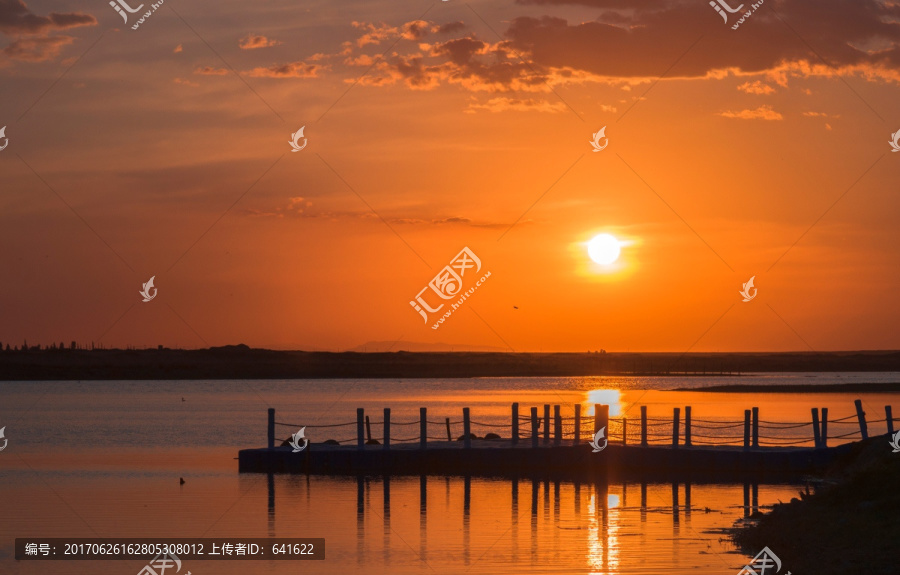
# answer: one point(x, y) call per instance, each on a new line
point(557, 447)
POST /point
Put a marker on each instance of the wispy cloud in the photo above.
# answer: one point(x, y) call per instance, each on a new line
point(254, 42)
point(761, 113)
point(297, 69)
point(210, 71)
point(38, 49)
point(503, 104)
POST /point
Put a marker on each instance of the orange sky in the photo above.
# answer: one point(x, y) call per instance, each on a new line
point(432, 126)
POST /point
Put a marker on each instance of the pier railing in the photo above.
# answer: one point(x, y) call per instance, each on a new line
point(546, 427)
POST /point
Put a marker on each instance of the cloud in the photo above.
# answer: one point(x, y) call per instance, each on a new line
point(412, 30)
point(300, 207)
point(297, 69)
point(178, 48)
point(471, 63)
point(374, 33)
point(37, 49)
point(185, 82)
point(254, 42)
point(761, 113)
point(756, 87)
point(452, 220)
point(504, 104)
point(860, 39)
point(210, 71)
point(450, 28)
point(16, 18)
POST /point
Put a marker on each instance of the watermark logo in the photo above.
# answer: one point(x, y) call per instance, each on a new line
point(6, 140)
point(895, 443)
point(764, 563)
point(295, 137)
point(295, 440)
point(124, 7)
point(724, 5)
point(894, 137)
point(448, 284)
point(720, 4)
point(601, 434)
point(596, 141)
point(3, 437)
point(161, 564)
point(746, 291)
point(146, 291)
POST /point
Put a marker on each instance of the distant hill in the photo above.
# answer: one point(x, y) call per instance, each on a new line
point(387, 346)
point(243, 362)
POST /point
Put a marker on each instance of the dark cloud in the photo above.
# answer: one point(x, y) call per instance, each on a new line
point(615, 4)
point(858, 33)
point(16, 18)
point(451, 28)
point(631, 42)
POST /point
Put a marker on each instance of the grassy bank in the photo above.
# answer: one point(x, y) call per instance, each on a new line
point(849, 524)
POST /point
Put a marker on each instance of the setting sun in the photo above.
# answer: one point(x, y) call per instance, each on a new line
point(604, 249)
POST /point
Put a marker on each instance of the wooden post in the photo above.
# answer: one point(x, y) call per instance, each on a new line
point(643, 426)
point(676, 419)
point(824, 436)
point(577, 438)
point(534, 427)
point(817, 439)
point(449, 436)
point(423, 427)
point(624, 430)
point(746, 429)
point(515, 423)
point(387, 428)
point(601, 418)
point(546, 423)
point(755, 427)
point(271, 429)
point(889, 419)
point(687, 426)
point(861, 415)
point(360, 441)
point(368, 429)
point(557, 426)
point(467, 442)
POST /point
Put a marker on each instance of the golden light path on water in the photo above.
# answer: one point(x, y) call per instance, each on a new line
point(610, 397)
point(603, 530)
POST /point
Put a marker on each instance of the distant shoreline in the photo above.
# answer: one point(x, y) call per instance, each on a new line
point(893, 387)
point(242, 362)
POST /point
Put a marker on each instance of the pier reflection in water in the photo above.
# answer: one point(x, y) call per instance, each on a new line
point(448, 524)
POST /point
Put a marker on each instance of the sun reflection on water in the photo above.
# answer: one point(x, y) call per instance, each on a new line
point(603, 531)
point(610, 397)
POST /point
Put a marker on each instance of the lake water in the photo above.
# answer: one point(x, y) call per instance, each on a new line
point(103, 459)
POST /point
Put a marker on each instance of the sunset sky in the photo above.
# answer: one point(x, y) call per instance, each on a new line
point(433, 126)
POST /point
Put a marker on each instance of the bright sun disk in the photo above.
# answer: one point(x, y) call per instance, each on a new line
point(604, 249)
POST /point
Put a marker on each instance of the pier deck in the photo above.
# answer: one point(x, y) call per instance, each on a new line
point(502, 458)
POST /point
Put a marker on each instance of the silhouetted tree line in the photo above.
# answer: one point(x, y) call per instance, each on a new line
point(52, 347)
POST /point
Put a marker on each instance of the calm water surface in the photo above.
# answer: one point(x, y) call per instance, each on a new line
point(102, 459)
